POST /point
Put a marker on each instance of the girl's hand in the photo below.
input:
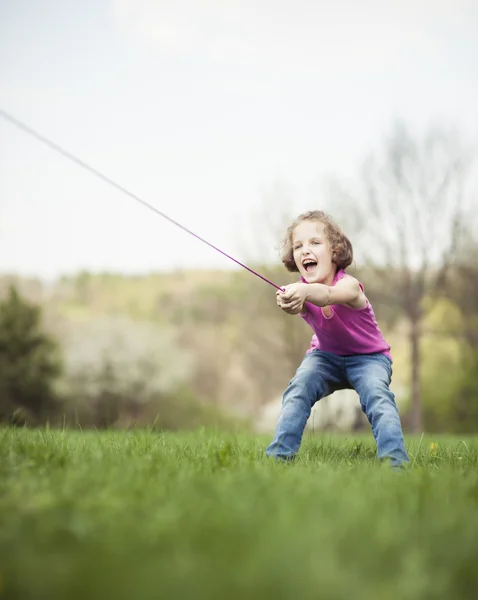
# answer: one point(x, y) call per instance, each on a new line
point(292, 300)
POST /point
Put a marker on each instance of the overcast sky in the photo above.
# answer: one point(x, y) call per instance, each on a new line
point(200, 107)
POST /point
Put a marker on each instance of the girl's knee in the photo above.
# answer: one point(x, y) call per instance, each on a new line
point(384, 410)
point(377, 391)
point(307, 382)
point(379, 401)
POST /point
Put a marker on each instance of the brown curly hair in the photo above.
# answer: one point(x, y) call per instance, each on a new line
point(342, 251)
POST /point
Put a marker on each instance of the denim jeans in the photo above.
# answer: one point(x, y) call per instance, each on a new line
point(322, 373)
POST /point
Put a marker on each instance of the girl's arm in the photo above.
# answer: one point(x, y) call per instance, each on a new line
point(347, 291)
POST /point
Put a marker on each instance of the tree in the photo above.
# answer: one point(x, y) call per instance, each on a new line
point(463, 292)
point(29, 359)
point(407, 222)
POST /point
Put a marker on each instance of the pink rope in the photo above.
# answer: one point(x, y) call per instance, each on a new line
point(79, 162)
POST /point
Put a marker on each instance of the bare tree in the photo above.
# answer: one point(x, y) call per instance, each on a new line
point(406, 224)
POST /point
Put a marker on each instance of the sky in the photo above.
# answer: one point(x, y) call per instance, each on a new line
point(207, 109)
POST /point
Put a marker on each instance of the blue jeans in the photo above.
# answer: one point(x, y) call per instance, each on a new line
point(321, 374)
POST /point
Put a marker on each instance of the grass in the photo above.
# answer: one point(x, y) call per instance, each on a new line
point(139, 515)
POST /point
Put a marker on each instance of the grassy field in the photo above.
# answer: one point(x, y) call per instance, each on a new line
point(142, 515)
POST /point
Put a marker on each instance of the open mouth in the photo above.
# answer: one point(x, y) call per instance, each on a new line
point(309, 265)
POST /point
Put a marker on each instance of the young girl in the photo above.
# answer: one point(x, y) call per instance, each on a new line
point(347, 349)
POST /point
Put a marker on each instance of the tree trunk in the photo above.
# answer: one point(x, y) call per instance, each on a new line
point(417, 412)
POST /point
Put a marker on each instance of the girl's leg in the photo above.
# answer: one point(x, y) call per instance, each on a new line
point(370, 376)
point(319, 375)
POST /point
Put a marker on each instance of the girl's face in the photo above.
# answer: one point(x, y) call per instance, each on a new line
point(312, 253)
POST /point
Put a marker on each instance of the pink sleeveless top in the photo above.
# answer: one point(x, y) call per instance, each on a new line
point(348, 331)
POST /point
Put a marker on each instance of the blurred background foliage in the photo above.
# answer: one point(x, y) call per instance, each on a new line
point(179, 350)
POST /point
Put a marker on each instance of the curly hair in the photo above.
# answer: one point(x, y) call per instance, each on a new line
point(342, 251)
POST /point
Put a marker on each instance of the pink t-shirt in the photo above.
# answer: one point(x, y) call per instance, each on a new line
point(347, 331)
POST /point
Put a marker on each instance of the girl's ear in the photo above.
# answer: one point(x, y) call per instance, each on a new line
point(335, 253)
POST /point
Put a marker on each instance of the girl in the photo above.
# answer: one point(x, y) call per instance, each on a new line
point(347, 349)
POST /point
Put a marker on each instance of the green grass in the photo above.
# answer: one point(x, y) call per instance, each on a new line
point(142, 515)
